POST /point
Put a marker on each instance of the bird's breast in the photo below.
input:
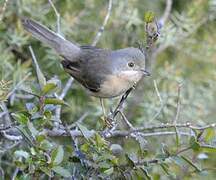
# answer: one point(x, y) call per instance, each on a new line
point(117, 84)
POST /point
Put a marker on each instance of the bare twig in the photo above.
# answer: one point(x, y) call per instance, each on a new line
point(177, 114)
point(12, 137)
point(126, 120)
point(19, 84)
point(100, 31)
point(40, 76)
point(70, 80)
point(58, 18)
point(185, 125)
point(167, 12)
point(66, 88)
point(61, 96)
point(158, 93)
point(3, 9)
point(80, 120)
point(178, 105)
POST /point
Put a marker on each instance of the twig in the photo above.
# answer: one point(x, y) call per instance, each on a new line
point(70, 80)
point(18, 84)
point(178, 105)
point(100, 31)
point(158, 94)
point(79, 120)
point(58, 18)
point(126, 120)
point(12, 137)
point(3, 10)
point(167, 12)
point(61, 97)
point(66, 88)
point(40, 76)
point(185, 125)
point(177, 114)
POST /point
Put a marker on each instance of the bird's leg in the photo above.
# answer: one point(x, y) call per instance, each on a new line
point(119, 106)
point(121, 102)
point(110, 120)
point(105, 118)
point(102, 106)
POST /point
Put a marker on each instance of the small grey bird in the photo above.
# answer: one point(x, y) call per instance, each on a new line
point(104, 73)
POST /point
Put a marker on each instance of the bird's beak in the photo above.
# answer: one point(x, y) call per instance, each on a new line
point(145, 73)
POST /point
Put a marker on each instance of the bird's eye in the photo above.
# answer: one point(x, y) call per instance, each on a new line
point(131, 64)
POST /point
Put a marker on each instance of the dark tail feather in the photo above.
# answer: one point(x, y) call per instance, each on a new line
point(62, 46)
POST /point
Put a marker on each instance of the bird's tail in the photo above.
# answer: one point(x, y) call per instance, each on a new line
point(64, 47)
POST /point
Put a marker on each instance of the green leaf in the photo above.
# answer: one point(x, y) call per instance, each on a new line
point(40, 138)
point(85, 147)
point(33, 130)
point(46, 145)
point(54, 101)
point(57, 155)
point(21, 118)
point(146, 173)
point(210, 134)
point(25, 134)
point(109, 171)
point(194, 144)
point(21, 153)
point(48, 88)
point(149, 17)
point(209, 149)
point(46, 170)
point(99, 140)
point(61, 171)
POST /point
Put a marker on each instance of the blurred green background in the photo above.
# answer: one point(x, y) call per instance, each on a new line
point(187, 57)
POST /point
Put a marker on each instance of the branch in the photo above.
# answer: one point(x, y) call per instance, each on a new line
point(3, 10)
point(18, 84)
point(70, 80)
point(40, 76)
point(167, 12)
point(185, 125)
point(58, 17)
point(100, 31)
point(61, 97)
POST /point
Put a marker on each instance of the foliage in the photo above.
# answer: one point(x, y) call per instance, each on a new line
point(49, 129)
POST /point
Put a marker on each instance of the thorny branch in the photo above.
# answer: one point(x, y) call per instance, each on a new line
point(124, 133)
point(100, 31)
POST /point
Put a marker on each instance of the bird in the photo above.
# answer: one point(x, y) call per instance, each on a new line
point(104, 73)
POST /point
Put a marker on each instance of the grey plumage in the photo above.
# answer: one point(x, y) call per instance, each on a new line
point(64, 47)
point(104, 72)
